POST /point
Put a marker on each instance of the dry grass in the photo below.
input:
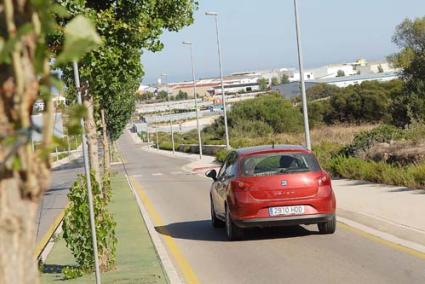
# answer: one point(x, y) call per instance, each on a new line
point(399, 152)
point(339, 134)
point(335, 134)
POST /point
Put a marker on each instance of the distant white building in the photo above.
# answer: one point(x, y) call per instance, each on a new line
point(145, 88)
point(308, 75)
point(358, 79)
point(246, 87)
point(331, 71)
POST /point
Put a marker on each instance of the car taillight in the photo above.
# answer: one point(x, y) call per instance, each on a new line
point(325, 188)
point(324, 180)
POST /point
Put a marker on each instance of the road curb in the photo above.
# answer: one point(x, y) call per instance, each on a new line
point(409, 247)
point(43, 244)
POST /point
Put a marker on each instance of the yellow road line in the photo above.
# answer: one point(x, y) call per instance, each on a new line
point(387, 243)
point(45, 239)
point(184, 265)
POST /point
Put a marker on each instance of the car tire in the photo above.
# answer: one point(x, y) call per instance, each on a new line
point(233, 232)
point(215, 222)
point(327, 227)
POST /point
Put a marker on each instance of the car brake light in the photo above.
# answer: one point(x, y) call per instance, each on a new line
point(324, 180)
point(325, 188)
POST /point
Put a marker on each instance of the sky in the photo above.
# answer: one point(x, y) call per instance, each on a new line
point(257, 35)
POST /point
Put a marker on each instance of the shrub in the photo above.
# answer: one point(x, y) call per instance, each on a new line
point(77, 230)
point(258, 117)
point(415, 132)
point(166, 145)
point(324, 153)
point(412, 176)
point(364, 140)
point(221, 155)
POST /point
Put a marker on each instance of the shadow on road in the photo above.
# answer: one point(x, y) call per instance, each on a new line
point(74, 164)
point(202, 230)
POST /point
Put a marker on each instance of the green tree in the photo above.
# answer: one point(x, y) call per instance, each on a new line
point(181, 96)
point(25, 77)
point(284, 79)
point(319, 91)
point(275, 81)
point(146, 96)
point(162, 96)
point(409, 36)
point(259, 116)
point(340, 73)
point(367, 102)
point(317, 111)
point(114, 72)
point(263, 84)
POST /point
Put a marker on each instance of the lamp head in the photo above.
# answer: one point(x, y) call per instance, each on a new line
point(211, 13)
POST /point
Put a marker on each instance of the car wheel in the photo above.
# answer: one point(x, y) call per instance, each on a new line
point(216, 223)
point(327, 227)
point(233, 232)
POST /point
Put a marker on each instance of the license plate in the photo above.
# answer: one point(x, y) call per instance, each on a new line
point(286, 210)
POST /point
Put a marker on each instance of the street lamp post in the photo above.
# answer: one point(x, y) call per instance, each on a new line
point(88, 177)
point(215, 14)
point(148, 134)
point(169, 109)
point(156, 131)
point(194, 94)
point(301, 65)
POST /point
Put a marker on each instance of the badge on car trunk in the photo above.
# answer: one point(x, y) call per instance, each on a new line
point(283, 182)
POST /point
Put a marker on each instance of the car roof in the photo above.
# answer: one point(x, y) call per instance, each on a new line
point(271, 149)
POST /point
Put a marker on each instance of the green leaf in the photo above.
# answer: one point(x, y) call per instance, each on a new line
point(80, 38)
point(60, 11)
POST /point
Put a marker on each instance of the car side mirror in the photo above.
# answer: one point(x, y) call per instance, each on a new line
point(212, 174)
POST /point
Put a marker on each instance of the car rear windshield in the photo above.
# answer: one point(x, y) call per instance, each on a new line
point(279, 163)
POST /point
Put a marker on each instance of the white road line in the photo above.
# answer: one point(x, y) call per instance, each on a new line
point(157, 174)
point(383, 235)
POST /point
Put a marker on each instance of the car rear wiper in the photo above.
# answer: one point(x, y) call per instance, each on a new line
point(296, 170)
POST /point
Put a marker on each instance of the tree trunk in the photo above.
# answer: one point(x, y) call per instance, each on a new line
point(24, 174)
point(90, 126)
point(17, 234)
point(106, 161)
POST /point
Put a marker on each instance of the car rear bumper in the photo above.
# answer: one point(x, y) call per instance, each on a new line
point(284, 221)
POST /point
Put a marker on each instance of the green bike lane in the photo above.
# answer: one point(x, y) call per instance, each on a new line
point(137, 260)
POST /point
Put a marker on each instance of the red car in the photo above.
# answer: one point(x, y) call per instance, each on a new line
point(278, 185)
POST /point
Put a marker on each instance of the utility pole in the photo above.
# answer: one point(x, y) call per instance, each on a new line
point(156, 132)
point(223, 95)
point(148, 134)
point(301, 65)
point(195, 96)
point(169, 110)
point(88, 178)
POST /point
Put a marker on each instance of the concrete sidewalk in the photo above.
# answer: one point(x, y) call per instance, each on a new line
point(398, 211)
point(55, 197)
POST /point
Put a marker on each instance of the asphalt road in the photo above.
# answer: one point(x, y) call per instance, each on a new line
point(297, 254)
